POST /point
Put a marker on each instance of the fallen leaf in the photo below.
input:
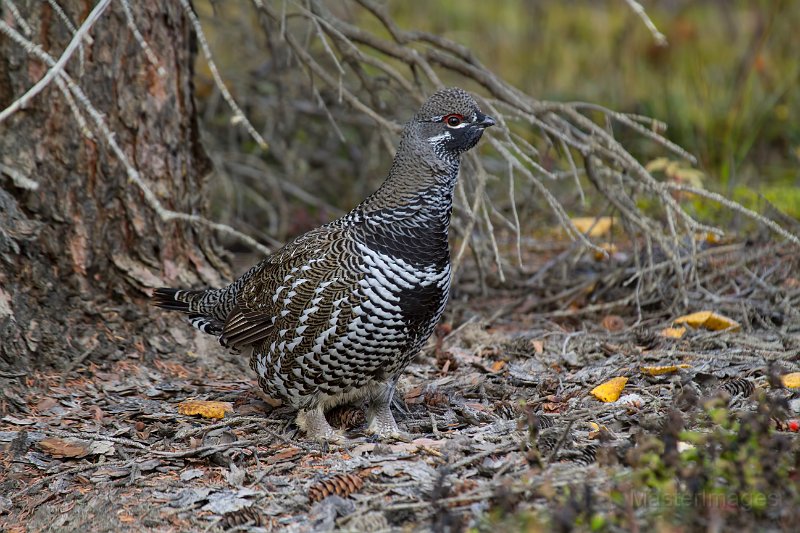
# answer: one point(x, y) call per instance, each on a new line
point(204, 408)
point(59, 448)
point(659, 370)
point(709, 237)
point(595, 226)
point(607, 249)
point(497, 366)
point(610, 390)
point(596, 430)
point(657, 164)
point(613, 323)
point(708, 320)
point(284, 455)
point(18, 421)
point(791, 381)
point(126, 518)
point(538, 346)
point(191, 473)
point(673, 333)
point(102, 447)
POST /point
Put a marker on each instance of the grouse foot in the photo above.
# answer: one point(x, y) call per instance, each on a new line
point(380, 420)
point(316, 426)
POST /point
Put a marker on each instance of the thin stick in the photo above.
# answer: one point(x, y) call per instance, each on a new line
point(54, 71)
point(133, 174)
point(730, 204)
point(660, 38)
point(238, 114)
point(148, 51)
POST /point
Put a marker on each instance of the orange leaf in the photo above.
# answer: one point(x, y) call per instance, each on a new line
point(204, 408)
point(708, 320)
point(658, 370)
point(497, 366)
point(791, 381)
point(610, 390)
point(673, 333)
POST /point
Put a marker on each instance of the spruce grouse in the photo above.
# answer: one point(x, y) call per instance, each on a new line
point(338, 313)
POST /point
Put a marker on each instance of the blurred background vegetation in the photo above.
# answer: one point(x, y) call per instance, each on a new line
point(726, 86)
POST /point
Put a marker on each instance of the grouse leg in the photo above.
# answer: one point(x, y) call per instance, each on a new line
point(379, 415)
point(315, 425)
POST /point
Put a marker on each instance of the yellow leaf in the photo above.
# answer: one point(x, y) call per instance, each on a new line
point(610, 390)
point(791, 381)
point(608, 247)
point(596, 430)
point(709, 237)
point(708, 320)
point(204, 408)
point(657, 164)
point(673, 333)
point(688, 175)
point(595, 226)
point(659, 370)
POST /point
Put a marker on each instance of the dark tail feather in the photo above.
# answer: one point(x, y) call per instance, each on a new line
point(177, 299)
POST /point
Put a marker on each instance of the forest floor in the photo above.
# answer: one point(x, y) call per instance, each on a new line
point(501, 431)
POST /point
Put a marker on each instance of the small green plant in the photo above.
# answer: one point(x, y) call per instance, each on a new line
point(730, 464)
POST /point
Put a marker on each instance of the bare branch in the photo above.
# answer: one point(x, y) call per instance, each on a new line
point(238, 114)
point(56, 69)
point(660, 38)
point(108, 135)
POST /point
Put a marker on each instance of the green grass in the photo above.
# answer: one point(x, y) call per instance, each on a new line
point(725, 85)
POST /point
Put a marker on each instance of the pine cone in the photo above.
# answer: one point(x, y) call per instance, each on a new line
point(242, 517)
point(741, 386)
point(346, 417)
point(342, 485)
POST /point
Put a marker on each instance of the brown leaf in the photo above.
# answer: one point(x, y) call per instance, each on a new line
point(284, 455)
point(60, 448)
point(613, 323)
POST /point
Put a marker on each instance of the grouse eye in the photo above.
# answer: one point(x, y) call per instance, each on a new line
point(453, 120)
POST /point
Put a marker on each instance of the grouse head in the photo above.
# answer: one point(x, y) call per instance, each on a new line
point(451, 122)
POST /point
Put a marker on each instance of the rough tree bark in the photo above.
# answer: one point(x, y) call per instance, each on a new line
point(79, 254)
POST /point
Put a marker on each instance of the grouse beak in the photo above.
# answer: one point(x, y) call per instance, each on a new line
point(484, 121)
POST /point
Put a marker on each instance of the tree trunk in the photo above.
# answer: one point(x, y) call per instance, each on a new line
point(80, 253)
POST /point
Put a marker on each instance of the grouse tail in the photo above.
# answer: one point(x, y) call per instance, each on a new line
point(185, 301)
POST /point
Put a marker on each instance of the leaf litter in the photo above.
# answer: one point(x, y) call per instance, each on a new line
point(499, 416)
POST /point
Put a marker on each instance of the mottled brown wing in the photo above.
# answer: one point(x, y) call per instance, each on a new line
point(311, 272)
